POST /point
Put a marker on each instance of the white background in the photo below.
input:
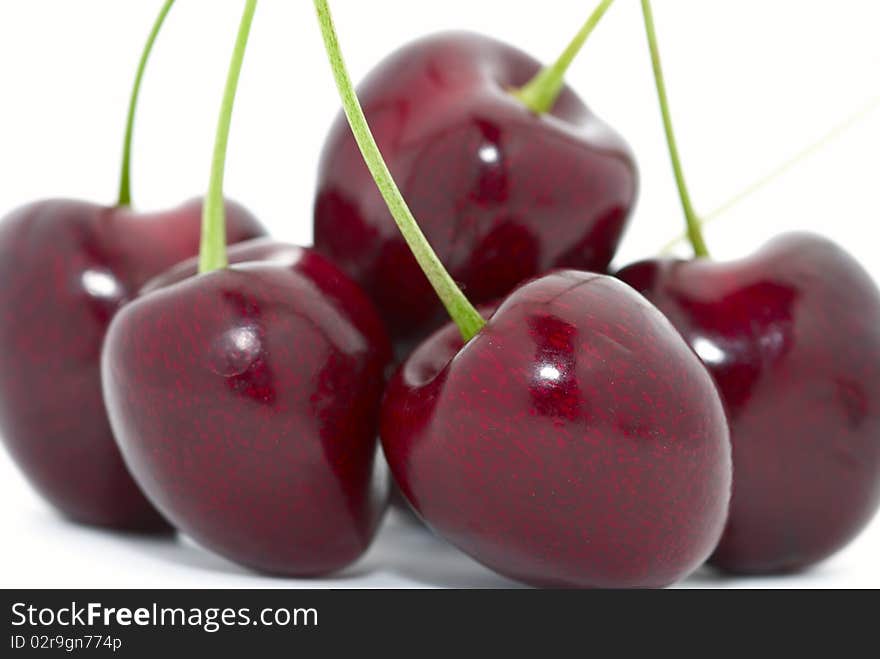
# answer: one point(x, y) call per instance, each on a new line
point(751, 83)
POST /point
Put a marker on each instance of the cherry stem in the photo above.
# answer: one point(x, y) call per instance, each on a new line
point(212, 252)
point(541, 92)
point(462, 312)
point(694, 229)
point(124, 197)
point(837, 131)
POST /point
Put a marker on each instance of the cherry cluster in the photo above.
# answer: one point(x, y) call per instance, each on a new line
point(569, 427)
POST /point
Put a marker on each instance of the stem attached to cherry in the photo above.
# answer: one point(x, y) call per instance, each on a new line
point(694, 229)
point(781, 169)
point(124, 197)
point(212, 251)
point(541, 92)
point(462, 312)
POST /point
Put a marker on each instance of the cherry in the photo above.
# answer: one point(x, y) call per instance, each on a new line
point(799, 371)
point(574, 439)
point(790, 335)
point(245, 400)
point(66, 267)
point(508, 178)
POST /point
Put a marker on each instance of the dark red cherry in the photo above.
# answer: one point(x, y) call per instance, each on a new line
point(791, 335)
point(66, 267)
point(575, 441)
point(502, 193)
point(245, 403)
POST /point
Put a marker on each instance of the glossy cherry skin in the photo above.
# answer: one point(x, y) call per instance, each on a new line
point(792, 337)
point(245, 402)
point(65, 268)
point(501, 193)
point(576, 441)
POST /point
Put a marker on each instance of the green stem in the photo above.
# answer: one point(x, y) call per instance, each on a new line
point(694, 230)
point(541, 92)
point(124, 197)
point(460, 309)
point(212, 252)
point(837, 131)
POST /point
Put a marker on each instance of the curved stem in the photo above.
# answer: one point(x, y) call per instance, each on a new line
point(780, 170)
point(124, 196)
point(541, 92)
point(694, 230)
point(212, 251)
point(460, 309)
